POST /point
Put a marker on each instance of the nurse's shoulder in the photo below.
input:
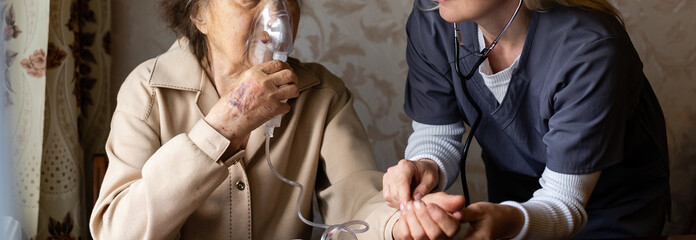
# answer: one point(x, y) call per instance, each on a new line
point(575, 28)
point(429, 37)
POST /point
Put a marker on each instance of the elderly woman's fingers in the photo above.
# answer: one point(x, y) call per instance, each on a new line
point(414, 225)
point(284, 108)
point(450, 203)
point(283, 77)
point(271, 67)
point(448, 225)
point(401, 230)
point(287, 91)
point(430, 227)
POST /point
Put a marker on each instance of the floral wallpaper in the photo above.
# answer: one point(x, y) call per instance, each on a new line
point(363, 42)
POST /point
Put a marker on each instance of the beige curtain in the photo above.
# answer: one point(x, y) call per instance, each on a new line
point(58, 61)
point(26, 37)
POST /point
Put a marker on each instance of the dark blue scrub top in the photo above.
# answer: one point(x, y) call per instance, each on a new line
point(577, 103)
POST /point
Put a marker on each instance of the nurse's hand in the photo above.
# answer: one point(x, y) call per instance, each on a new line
point(253, 99)
point(437, 216)
point(423, 175)
point(492, 221)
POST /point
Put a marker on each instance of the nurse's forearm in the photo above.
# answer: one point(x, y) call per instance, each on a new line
point(557, 210)
point(440, 143)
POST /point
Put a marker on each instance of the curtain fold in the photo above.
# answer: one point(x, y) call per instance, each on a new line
point(55, 90)
point(26, 37)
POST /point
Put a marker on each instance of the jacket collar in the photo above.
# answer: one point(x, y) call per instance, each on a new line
point(179, 69)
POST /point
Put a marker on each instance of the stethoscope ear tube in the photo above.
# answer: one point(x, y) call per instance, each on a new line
point(476, 107)
point(464, 78)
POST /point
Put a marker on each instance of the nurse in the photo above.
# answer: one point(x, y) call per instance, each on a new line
point(572, 134)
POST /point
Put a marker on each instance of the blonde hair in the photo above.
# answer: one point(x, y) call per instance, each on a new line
point(592, 5)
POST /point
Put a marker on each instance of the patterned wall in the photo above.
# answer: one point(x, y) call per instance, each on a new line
point(663, 33)
point(342, 35)
point(363, 42)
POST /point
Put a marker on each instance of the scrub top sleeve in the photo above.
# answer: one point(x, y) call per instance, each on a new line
point(429, 95)
point(589, 106)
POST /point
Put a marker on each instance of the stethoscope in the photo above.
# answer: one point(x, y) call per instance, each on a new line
point(483, 54)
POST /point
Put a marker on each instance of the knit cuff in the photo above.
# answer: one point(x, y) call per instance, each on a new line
point(440, 143)
point(525, 227)
point(442, 183)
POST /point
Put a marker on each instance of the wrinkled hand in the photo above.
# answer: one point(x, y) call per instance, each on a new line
point(492, 221)
point(436, 216)
point(397, 182)
point(253, 99)
point(442, 214)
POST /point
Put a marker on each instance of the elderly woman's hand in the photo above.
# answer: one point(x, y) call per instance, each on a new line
point(253, 99)
point(436, 216)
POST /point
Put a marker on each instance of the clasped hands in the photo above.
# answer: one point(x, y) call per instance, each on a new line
point(426, 215)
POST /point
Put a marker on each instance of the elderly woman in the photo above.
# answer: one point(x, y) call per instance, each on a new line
point(184, 147)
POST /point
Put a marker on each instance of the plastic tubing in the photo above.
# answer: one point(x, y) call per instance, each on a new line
point(330, 230)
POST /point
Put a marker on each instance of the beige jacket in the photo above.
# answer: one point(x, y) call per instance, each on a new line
point(166, 180)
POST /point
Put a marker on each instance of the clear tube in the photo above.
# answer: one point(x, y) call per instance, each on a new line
point(271, 38)
point(331, 230)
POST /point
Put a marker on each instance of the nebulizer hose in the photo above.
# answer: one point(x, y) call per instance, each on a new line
point(271, 38)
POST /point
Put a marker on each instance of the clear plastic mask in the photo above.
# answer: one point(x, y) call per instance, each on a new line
point(271, 35)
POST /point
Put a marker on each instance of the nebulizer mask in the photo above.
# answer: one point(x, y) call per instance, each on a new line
point(271, 38)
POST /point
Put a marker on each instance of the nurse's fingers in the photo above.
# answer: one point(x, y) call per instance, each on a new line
point(386, 190)
point(407, 170)
point(396, 183)
point(473, 213)
point(428, 177)
point(389, 190)
point(395, 190)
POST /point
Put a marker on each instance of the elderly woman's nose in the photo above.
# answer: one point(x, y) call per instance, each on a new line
point(264, 37)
